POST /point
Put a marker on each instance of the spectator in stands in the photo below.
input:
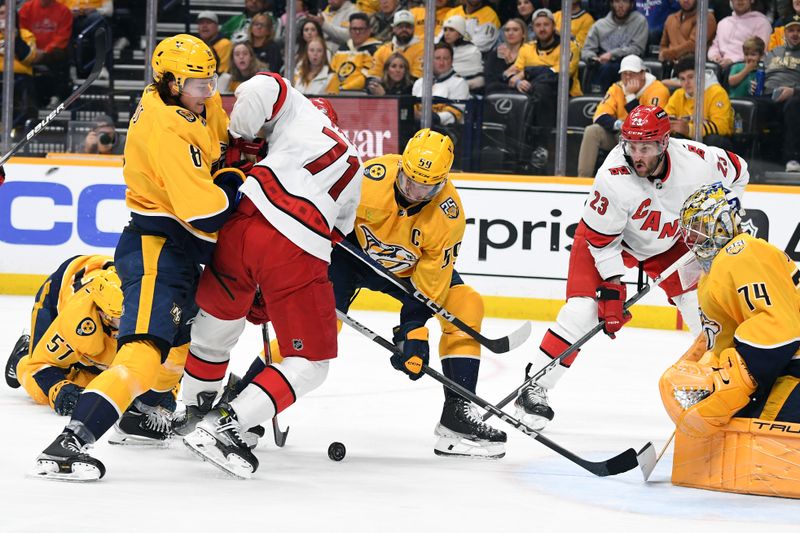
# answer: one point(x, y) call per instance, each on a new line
point(313, 74)
point(742, 73)
point(680, 34)
point(656, 13)
point(368, 7)
point(776, 39)
point(580, 23)
point(51, 24)
point(525, 9)
point(442, 8)
point(481, 22)
point(103, 139)
point(620, 33)
point(208, 31)
point(499, 67)
point(334, 22)
point(717, 110)
point(732, 32)
point(261, 36)
point(302, 10)
point(243, 65)
point(381, 20)
point(24, 106)
point(396, 79)
point(467, 59)
point(783, 83)
point(235, 28)
point(637, 87)
point(536, 74)
point(308, 29)
point(87, 17)
point(403, 41)
point(446, 84)
point(351, 63)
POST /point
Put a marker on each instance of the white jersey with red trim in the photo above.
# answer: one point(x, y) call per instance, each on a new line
point(641, 215)
point(309, 184)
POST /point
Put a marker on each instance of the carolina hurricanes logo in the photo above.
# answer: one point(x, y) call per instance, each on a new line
point(392, 257)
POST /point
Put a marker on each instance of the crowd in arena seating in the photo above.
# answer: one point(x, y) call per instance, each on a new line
point(624, 51)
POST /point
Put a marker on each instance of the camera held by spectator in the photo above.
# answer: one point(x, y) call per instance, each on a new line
point(103, 139)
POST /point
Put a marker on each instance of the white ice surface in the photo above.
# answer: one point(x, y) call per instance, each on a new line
point(390, 479)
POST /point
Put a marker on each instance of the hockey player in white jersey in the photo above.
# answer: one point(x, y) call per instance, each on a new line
point(298, 202)
point(631, 216)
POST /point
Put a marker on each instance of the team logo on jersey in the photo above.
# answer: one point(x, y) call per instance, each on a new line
point(450, 208)
point(86, 327)
point(392, 257)
point(735, 247)
point(375, 171)
point(188, 115)
point(345, 70)
point(711, 329)
point(176, 314)
point(297, 344)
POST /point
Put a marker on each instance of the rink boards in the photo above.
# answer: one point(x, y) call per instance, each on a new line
point(515, 250)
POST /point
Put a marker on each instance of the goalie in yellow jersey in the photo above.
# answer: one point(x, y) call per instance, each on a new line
point(734, 396)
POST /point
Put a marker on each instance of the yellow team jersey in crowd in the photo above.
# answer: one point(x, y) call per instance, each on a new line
point(579, 26)
point(24, 66)
point(170, 156)
point(613, 103)
point(413, 53)
point(350, 66)
point(777, 38)
point(480, 24)
point(530, 56)
point(419, 20)
point(717, 110)
point(421, 242)
point(83, 4)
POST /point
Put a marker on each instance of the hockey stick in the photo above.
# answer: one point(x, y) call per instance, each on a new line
point(625, 461)
point(99, 61)
point(659, 456)
point(501, 345)
point(683, 260)
point(280, 436)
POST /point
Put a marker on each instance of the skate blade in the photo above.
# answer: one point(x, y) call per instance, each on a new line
point(118, 438)
point(202, 444)
point(534, 422)
point(471, 449)
point(81, 472)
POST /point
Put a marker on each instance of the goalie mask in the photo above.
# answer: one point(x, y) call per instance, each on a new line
point(425, 166)
point(709, 219)
point(106, 290)
point(191, 63)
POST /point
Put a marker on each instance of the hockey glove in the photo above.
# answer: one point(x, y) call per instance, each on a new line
point(258, 310)
point(229, 180)
point(412, 340)
point(610, 301)
point(2, 175)
point(243, 154)
point(63, 397)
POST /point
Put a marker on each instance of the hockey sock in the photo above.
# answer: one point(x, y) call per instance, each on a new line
point(93, 414)
point(462, 370)
point(255, 369)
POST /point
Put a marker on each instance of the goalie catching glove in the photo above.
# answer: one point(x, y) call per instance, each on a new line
point(611, 297)
point(412, 340)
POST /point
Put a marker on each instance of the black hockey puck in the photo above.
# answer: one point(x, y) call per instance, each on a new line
point(336, 451)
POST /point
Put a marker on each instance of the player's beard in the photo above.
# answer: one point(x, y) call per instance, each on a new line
point(645, 170)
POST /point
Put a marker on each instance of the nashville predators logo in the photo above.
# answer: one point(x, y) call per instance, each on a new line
point(392, 257)
point(711, 328)
point(188, 115)
point(375, 171)
point(450, 208)
point(735, 247)
point(346, 70)
point(86, 327)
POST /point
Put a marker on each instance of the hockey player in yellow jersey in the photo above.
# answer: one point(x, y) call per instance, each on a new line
point(178, 201)
point(734, 396)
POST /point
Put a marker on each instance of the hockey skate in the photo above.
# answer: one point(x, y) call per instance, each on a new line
point(532, 407)
point(20, 350)
point(185, 422)
point(65, 460)
point(143, 425)
point(462, 433)
point(220, 440)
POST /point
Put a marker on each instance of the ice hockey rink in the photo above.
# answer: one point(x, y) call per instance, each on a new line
point(390, 479)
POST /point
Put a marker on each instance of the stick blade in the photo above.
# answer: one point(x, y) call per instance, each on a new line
point(647, 460)
point(623, 462)
point(516, 339)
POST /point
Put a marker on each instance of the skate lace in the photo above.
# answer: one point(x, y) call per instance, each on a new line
point(534, 394)
point(231, 427)
point(158, 419)
point(72, 443)
point(470, 415)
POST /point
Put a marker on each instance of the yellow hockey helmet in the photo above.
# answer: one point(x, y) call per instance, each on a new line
point(187, 58)
point(106, 290)
point(709, 219)
point(425, 165)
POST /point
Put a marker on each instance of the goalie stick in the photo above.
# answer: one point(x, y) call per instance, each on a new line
point(683, 260)
point(501, 345)
point(280, 436)
point(623, 462)
point(99, 61)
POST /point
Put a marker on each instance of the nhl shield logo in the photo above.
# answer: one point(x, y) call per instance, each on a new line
point(297, 344)
point(86, 327)
point(748, 226)
point(450, 208)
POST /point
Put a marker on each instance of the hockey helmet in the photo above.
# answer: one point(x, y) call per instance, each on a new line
point(190, 61)
point(425, 165)
point(645, 124)
point(324, 105)
point(709, 219)
point(106, 290)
